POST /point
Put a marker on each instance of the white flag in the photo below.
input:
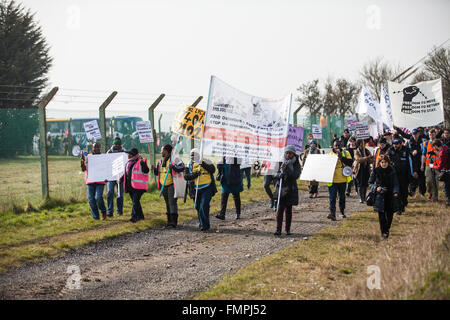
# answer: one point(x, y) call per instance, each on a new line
point(367, 105)
point(417, 105)
point(385, 109)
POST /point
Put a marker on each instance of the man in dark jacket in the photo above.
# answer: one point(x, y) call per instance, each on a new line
point(402, 162)
point(230, 177)
point(444, 164)
point(415, 147)
point(344, 138)
point(286, 188)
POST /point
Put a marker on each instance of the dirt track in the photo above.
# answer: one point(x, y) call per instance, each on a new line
point(169, 263)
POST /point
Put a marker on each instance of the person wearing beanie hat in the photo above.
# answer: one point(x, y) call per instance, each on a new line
point(111, 185)
point(313, 185)
point(202, 186)
point(287, 188)
point(135, 181)
point(167, 170)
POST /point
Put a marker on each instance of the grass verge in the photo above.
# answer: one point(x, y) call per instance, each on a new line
point(333, 264)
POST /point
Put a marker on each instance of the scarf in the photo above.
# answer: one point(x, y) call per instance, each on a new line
point(290, 162)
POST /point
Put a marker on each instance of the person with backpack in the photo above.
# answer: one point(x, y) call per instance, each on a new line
point(166, 171)
point(444, 166)
point(383, 181)
point(135, 181)
point(202, 186)
point(230, 177)
point(286, 187)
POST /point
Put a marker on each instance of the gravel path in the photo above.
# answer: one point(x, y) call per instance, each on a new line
point(169, 263)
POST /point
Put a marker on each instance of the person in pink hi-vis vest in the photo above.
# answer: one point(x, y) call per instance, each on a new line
point(135, 182)
point(94, 189)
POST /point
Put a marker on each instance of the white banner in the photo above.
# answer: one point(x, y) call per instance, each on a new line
point(109, 166)
point(385, 109)
point(417, 105)
point(319, 167)
point(144, 128)
point(367, 105)
point(92, 130)
point(373, 130)
point(316, 130)
point(244, 126)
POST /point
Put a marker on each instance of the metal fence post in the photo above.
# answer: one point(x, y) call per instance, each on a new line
point(151, 117)
point(43, 150)
point(196, 102)
point(102, 117)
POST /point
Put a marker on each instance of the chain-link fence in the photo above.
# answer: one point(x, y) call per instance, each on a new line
point(331, 125)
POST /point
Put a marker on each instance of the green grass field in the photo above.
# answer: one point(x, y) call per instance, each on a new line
point(32, 230)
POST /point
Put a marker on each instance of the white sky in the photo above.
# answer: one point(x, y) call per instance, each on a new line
point(267, 48)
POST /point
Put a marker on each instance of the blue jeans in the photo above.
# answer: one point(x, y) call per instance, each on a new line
point(95, 198)
point(110, 198)
point(335, 190)
point(204, 197)
point(247, 172)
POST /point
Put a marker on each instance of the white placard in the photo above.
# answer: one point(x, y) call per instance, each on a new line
point(362, 130)
point(92, 130)
point(417, 105)
point(110, 166)
point(319, 167)
point(144, 128)
point(316, 130)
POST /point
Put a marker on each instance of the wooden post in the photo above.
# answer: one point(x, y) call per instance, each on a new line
point(151, 117)
point(196, 102)
point(43, 150)
point(102, 117)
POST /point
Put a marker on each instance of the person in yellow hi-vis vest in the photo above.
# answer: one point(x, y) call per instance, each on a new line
point(202, 186)
point(340, 181)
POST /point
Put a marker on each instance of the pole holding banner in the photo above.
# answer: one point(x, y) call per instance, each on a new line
point(43, 150)
point(196, 102)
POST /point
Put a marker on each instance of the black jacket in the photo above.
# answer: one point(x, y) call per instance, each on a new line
point(401, 161)
point(233, 177)
point(417, 159)
point(387, 179)
point(127, 177)
point(289, 184)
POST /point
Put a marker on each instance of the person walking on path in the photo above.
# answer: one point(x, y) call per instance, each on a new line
point(339, 184)
point(94, 189)
point(384, 182)
point(135, 181)
point(415, 147)
point(116, 147)
point(287, 178)
point(202, 186)
point(313, 185)
point(383, 148)
point(444, 165)
point(400, 158)
point(271, 168)
point(246, 170)
point(430, 158)
point(351, 147)
point(361, 168)
point(230, 177)
point(166, 171)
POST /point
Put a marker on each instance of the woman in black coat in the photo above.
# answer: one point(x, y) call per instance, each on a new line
point(289, 173)
point(385, 183)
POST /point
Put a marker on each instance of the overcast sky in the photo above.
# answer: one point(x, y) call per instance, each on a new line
point(266, 47)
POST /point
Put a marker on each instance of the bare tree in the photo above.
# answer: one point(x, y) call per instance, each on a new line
point(375, 74)
point(310, 97)
point(437, 65)
point(340, 97)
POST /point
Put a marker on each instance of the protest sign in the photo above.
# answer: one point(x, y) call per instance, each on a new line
point(244, 126)
point(319, 167)
point(295, 138)
point(92, 130)
point(367, 105)
point(316, 130)
point(417, 105)
point(188, 122)
point(362, 130)
point(110, 166)
point(144, 129)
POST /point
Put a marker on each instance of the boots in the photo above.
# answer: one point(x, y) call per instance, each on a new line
point(174, 219)
point(237, 203)
point(169, 220)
